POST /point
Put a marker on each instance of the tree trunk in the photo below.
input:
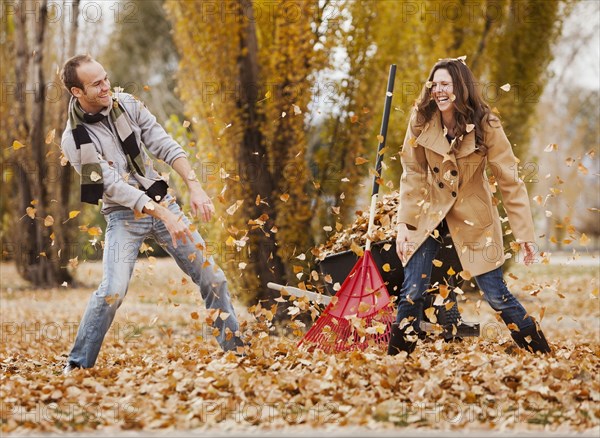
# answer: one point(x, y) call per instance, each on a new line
point(37, 260)
point(253, 154)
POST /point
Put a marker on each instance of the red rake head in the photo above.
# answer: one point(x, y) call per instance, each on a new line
point(360, 313)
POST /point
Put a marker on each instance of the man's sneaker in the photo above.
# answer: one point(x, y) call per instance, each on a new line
point(68, 368)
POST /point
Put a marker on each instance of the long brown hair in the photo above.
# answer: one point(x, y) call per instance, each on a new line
point(469, 106)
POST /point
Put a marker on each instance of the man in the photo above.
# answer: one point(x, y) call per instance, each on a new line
point(105, 140)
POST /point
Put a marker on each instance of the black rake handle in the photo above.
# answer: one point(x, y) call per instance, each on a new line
point(384, 127)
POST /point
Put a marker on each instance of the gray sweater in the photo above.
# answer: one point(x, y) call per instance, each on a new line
point(121, 189)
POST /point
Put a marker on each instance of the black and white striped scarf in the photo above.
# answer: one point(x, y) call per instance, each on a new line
point(92, 181)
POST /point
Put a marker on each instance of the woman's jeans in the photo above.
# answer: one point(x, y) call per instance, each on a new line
point(124, 236)
point(417, 274)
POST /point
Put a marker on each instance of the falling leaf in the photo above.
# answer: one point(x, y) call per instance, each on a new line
point(380, 138)
point(386, 267)
point(50, 136)
point(186, 123)
point(551, 147)
point(94, 176)
point(283, 114)
point(505, 87)
point(74, 262)
point(233, 207)
point(31, 212)
point(301, 256)
point(584, 240)
point(360, 160)
point(444, 291)
point(582, 169)
point(284, 197)
point(470, 127)
point(48, 221)
point(437, 263)
point(466, 275)
point(364, 307)
point(512, 326)
point(297, 110)
point(73, 214)
point(430, 314)
point(356, 249)
point(17, 145)
point(94, 231)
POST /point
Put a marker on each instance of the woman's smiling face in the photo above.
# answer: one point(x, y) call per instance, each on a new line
point(442, 90)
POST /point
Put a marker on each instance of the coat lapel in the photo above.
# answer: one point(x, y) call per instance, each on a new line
point(468, 146)
point(433, 138)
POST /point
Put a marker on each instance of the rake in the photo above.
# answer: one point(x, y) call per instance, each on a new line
point(361, 313)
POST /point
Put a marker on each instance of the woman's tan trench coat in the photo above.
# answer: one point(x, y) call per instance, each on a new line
point(437, 183)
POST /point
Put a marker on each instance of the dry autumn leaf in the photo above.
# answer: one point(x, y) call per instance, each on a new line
point(17, 145)
point(505, 87)
point(50, 136)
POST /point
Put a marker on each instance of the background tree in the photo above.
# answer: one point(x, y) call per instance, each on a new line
point(142, 57)
point(39, 241)
point(249, 99)
point(346, 49)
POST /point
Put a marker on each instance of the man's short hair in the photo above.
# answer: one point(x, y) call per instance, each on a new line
point(68, 75)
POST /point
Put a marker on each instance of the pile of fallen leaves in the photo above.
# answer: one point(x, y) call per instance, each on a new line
point(160, 370)
point(354, 236)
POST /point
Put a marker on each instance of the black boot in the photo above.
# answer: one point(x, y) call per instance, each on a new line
point(531, 339)
point(399, 341)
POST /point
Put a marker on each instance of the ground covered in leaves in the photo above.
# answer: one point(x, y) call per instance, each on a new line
point(159, 369)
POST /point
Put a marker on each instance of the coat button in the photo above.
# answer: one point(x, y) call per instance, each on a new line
point(441, 185)
point(453, 172)
point(454, 194)
point(436, 170)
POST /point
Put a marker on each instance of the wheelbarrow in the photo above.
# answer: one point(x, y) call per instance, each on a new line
point(449, 321)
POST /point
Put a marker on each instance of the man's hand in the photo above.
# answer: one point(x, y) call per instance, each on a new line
point(529, 252)
point(176, 226)
point(201, 205)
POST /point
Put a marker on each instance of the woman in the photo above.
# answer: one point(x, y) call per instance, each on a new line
point(451, 139)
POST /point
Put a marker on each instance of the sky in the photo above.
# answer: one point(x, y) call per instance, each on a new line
point(577, 54)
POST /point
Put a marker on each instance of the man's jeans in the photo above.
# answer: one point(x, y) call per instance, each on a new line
point(124, 236)
point(417, 274)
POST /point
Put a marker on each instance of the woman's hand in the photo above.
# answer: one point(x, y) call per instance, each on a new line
point(402, 244)
point(529, 252)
